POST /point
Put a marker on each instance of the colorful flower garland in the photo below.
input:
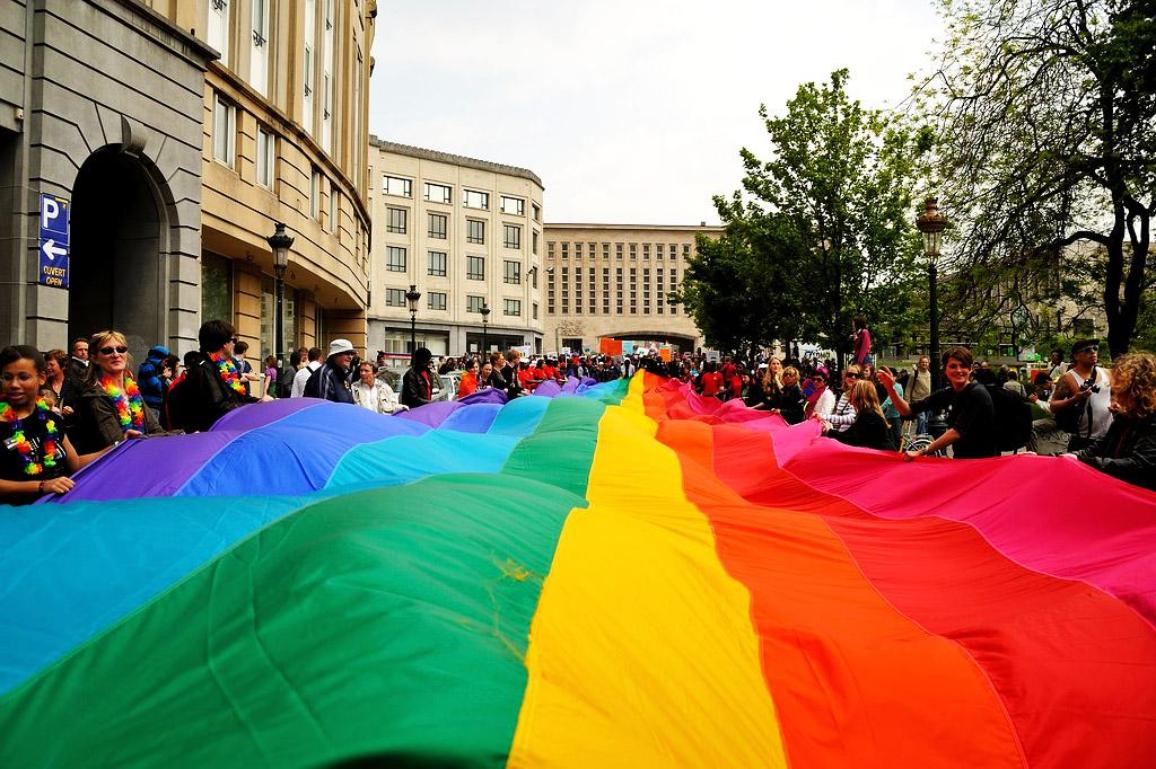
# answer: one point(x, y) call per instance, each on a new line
point(228, 372)
point(48, 449)
point(127, 401)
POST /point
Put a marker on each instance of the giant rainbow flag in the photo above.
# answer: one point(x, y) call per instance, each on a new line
point(618, 575)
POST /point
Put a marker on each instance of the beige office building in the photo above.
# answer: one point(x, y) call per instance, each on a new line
point(467, 235)
point(285, 115)
point(160, 141)
point(616, 281)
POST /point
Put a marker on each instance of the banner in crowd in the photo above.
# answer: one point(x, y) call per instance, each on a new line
point(597, 575)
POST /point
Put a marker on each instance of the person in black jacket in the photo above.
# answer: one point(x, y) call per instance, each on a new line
point(1128, 450)
point(211, 386)
point(331, 381)
point(417, 384)
point(870, 428)
point(791, 400)
point(510, 373)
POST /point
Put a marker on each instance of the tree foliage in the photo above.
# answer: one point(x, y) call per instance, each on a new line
point(820, 231)
point(1048, 128)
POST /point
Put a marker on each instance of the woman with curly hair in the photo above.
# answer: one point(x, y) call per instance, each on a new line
point(1128, 450)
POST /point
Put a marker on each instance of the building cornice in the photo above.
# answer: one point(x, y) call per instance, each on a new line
point(456, 160)
point(597, 226)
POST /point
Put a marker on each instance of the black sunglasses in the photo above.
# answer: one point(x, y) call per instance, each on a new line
point(850, 376)
point(110, 350)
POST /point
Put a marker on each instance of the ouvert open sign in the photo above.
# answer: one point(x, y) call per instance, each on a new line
point(53, 241)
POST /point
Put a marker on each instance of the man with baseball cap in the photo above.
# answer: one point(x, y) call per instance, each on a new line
point(331, 380)
point(1082, 397)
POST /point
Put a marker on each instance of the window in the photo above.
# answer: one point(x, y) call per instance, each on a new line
point(309, 60)
point(605, 250)
point(577, 250)
point(328, 53)
point(224, 130)
point(396, 220)
point(534, 243)
point(645, 250)
point(633, 250)
point(512, 235)
point(513, 274)
point(534, 276)
point(218, 33)
point(395, 185)
point(395, 259)
point(437, 226)
point(512, 307)
point(474, 303)
point(438, 193)
point(475, 231)
point(618, 250)
point(475, 268)
point(394, 297)
point(673, 251)
point(686, 250)
point(437, 300)
point(565, 250)
point(334, 207)
point(315, 193)
point(513, 206)
point(536, 211)
point(266, 156)
point(259, 51)
point(474, 199)
point(534, 307)
point(437, 263)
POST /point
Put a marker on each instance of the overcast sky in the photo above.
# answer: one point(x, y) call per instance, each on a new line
point(629, 110)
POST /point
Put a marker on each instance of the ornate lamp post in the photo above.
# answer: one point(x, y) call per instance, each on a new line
point(485, 321)
point(280, 243)
point(932, 224)
point(412, 297)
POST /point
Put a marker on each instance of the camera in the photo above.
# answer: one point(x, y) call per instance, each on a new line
point(1090, 385)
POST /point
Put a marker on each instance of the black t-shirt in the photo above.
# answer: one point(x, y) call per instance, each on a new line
point(12, 462)
point(972, 416)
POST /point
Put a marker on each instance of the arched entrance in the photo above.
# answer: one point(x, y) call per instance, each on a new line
point(116, 278)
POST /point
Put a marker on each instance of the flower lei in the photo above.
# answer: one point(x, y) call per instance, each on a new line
point(127, 401)
point(228, 371)
point(24, 446)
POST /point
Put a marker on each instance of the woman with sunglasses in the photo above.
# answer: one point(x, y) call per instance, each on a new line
point(110, 409)
point(35, 454)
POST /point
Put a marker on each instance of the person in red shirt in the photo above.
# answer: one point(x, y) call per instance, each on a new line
point(527, 377)
point(710, 381)
point(469, 383)
point(549, 371)
point(736, 383)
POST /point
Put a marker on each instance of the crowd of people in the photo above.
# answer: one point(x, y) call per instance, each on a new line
point(61, 410)
point(1107, 417)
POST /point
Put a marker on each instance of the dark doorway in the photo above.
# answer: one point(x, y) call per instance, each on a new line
point(116, 280)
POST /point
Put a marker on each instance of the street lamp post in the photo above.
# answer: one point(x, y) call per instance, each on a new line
point(932, 224)
point(485, 321)
point(280, 243)
point(412, 296)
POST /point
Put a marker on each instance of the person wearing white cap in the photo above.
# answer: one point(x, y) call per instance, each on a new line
point(331, 380)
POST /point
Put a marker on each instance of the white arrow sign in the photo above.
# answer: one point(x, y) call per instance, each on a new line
point(51, 250)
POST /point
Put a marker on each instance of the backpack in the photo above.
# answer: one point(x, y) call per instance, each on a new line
point(1013, 419)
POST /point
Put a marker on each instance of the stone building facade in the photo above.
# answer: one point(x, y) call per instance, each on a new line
point(466, 234)
point(174, 134)
point(100, 136)
point(617, 281)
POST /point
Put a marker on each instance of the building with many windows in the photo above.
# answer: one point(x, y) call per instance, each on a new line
point(617, 281)
point(467, 235)
point(147, 149)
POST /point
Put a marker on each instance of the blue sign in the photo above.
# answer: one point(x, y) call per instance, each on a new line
point(53, 241)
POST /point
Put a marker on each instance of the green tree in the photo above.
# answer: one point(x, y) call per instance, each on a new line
point(1048, 119)
point(826, 223)
point(741, 288)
